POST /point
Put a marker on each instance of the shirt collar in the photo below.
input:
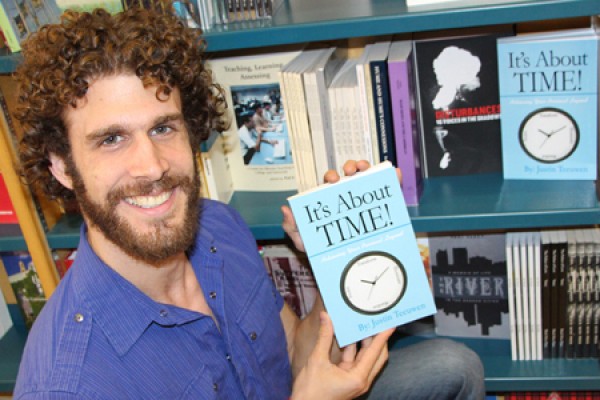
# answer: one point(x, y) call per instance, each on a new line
point(120, 309)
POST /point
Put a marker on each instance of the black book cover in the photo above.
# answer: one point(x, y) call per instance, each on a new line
point(459, 105)
point(470, 285)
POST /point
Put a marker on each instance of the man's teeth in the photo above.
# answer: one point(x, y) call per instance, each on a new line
point(148, 201)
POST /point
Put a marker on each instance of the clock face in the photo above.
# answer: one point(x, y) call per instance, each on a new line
point(549, 135)
point(373, 283)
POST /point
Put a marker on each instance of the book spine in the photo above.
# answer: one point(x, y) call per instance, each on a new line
point(405, 135)
point(383, 116)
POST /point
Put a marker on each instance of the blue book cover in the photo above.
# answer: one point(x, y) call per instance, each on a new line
point(363, 252)
point(549, 105)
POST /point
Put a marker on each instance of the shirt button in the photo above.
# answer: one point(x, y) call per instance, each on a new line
point(215, 387)
point(78, 318)
point(213, 249)
point(228, 357)
point(253, 335)
point(163, 313)
point(213, 295)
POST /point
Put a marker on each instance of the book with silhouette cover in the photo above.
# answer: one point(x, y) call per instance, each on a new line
point(364, 254)
point(458, 104)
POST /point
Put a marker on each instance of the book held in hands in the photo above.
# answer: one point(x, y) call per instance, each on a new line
point(364, 255)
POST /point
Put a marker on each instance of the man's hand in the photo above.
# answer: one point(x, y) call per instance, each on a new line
point(352, 376)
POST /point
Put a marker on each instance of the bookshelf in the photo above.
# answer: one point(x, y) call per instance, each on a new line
point(448, 204)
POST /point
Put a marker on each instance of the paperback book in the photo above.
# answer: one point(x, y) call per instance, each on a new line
point(258, 148)
point(364, 254)
point(459, 104)
point(26, 284)
point(406, 134)
point(549, 101)
point(9, 224)
point(292, 276)
point(470, 286)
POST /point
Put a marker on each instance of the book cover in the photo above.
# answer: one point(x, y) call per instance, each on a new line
point(406, 136)
point(364, 254)
point(25, 283)
point(470, 285)
point(217, 173)
point(459, 105)
point(549, 101)
point(9, 224)
point(13, 25)
point(292, 276)
point(6, 321)
point(250, 81)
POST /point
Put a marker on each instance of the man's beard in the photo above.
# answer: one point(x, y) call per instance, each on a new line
point(165, 238)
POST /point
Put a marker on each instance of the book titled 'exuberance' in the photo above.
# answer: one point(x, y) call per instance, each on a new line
point(364, 254)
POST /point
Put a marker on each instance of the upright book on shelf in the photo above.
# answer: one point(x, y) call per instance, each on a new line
point(9, 224)
point(549, 100)
point(292, 276)
point(215, 167)
point(26, 284)
point(470, 285)
point(250, 82)
point(403, 109)
point(364, 254)
point(459, 104)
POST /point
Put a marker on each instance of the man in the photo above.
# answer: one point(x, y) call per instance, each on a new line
point(167, 297)
point(261, 124)
point(250, 140)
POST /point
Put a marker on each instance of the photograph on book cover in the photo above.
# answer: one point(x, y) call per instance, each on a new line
point(259, 114)
point(470, 286)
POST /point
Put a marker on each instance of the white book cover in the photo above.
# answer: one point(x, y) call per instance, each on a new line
point(250, 81)
point(316, 81)
point(510, 284)
point(518, 265)
point(525, 300)
point(5, 320)
point(217, 172)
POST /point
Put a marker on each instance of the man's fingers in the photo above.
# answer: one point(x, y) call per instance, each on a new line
point(325, 339)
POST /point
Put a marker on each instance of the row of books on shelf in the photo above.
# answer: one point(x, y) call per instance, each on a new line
point(521, 105)
point(20, 18)
point(537, 289)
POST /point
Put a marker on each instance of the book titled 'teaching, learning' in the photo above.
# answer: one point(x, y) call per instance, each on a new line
point(364, 255)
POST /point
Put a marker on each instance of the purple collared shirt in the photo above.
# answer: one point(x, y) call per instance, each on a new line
point(100, 337)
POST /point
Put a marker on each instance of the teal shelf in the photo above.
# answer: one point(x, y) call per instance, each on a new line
point(11, 348)
point(453, 204)
point(302, 21)
point(504, 375)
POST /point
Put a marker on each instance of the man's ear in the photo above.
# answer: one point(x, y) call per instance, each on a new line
point(58, 169)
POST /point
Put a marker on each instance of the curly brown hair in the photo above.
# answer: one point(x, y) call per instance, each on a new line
point(61, 60)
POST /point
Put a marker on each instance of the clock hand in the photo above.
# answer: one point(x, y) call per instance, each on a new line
point(381, 274)
point(544, 133)
point(558, 130)
point(366, 281)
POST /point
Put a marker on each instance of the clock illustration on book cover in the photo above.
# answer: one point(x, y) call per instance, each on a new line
point(373, 282)
point(549, 135)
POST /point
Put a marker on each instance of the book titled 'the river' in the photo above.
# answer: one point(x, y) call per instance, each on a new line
point(364, 254)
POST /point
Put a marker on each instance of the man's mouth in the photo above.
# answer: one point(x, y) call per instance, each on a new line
point(149, 201)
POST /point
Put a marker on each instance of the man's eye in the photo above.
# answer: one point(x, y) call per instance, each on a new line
point(161, 130)
point(111, 140)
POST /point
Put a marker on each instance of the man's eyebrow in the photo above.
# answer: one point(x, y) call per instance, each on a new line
point(117, 128)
